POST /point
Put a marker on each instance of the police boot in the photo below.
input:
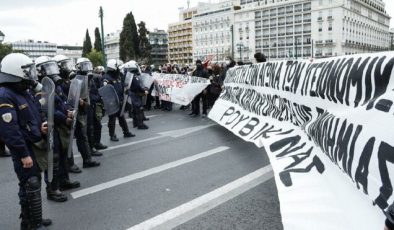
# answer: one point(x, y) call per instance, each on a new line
point(140, 121)
point(24, 217)
point(33, 193)
point(55, 195)
point(135, 120)
point(100, 146)
point(114, 138)
point(67, 185)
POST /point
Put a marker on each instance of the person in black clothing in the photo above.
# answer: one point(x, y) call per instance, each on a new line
point(199, 72)
point(230, 63)
point(260, 58)
point(112, 76)
point(136, 93)
point(96, 112)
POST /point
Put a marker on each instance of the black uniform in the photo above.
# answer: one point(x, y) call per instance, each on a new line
point(113, 78)
point(95, 113)
point(20, 123)
point(136, 93)
point(200, 72)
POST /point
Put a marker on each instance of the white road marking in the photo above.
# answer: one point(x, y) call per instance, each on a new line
point(131, 143)
point(131, 119)
point(186, 131)
point(172, 133)
point(204, 203)
point(139, 175)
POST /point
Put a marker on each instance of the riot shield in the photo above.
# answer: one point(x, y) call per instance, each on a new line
point(85, 85)
point(128, 79)
point(110, 99)
point(48, 106)
point(146, 80)
point(73, 100)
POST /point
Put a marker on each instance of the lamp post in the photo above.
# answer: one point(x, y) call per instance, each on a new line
point(101, 15)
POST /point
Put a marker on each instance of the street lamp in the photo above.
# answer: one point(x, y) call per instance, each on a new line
point(1, 37)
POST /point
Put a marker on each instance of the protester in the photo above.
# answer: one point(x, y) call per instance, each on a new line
point(230, 63)
point(259, 57)
point(199, 72)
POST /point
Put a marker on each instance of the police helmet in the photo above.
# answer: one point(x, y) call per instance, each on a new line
point(84, 65)
point(64, 63)
point(114, 64)
point(46, 66)
point(132, 66)
point(16, 67)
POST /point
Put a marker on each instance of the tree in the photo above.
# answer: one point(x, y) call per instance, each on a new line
point(96, 57)
point(5, 49)
point(87, 44)
point(129, 41)
point(97, 40)
point(144, 45)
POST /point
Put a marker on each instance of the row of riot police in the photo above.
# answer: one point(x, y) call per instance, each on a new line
point(44, 105)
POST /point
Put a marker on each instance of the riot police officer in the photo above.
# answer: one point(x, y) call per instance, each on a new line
point(84, 67)
point(112, 76)
point(65, 68)
point(96, 109)
point(136, 93)
point(46, 67)
point(22, 126)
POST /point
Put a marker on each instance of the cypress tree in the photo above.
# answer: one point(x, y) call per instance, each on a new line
point(144, 45)
point(97, 40)
point(87, 44)
point(128, 41)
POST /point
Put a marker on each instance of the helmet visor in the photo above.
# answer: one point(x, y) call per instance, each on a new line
point(51, 68)
point(66, 65)
point(30, 72)
point(86, 66)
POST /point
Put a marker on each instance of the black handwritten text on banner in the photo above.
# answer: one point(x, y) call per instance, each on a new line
point(326, 126)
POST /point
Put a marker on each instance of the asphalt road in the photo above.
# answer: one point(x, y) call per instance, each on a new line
point(182, 173)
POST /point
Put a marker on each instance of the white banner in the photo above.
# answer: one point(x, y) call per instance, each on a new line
point(177, 88)
point(327, 127)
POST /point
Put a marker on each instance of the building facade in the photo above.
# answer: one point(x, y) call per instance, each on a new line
point(35, 49)
point(73, 52)
point(349, 27)
point(158, 40)
point(180, 38)
point(279, 29)
point(283, 29)
point(212, 30)
point(111, 45)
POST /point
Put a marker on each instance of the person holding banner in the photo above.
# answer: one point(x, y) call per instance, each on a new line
point(112, 76)
point(199, 72)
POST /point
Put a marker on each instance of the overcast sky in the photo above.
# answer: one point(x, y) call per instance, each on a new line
point(65, 21)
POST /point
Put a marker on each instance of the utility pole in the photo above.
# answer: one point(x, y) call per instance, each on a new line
point(101, 15)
